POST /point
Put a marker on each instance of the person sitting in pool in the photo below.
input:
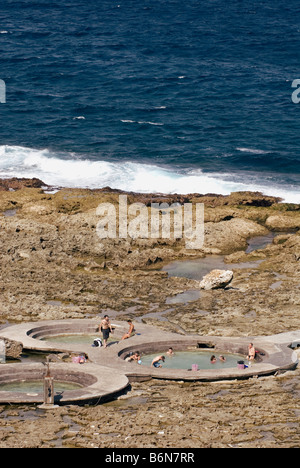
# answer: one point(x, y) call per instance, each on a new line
point(170, 352)
point(130, 332)
point(136, 357)
point(156, 361)
point(222, 358)
point(213, 360)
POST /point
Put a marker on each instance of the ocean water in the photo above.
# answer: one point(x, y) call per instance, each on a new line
point(152, 96)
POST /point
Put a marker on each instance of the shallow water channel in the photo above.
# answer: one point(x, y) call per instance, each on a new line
point(197, 268)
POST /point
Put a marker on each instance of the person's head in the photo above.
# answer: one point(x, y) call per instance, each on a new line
point(137, 353)
point(213, 358)
point(163, 358)
point(129, 321)
point(170, 350)
point(106, 317)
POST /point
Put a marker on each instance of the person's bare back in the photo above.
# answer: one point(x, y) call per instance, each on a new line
point(130, 331)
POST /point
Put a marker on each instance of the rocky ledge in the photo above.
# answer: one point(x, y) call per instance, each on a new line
point(16, 184)
point(13, 349)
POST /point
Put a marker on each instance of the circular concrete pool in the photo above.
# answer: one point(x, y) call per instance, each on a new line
point(113, 374)
point(188, 359)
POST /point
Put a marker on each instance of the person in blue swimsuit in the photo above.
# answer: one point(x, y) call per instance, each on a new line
point(156, 362)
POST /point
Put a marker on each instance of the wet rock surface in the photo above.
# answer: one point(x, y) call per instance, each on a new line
point(54, 266)
point(13, 349)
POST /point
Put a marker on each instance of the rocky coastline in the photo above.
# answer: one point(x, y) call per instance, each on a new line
point(53, 266)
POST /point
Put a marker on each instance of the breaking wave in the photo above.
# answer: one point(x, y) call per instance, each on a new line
point(70, 170)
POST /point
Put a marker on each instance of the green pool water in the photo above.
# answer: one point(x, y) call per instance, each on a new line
point(72, 339)
point(185, 359)
point(37, 386)
point(84, 339)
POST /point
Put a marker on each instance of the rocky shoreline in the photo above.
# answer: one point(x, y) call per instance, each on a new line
point(53, 266)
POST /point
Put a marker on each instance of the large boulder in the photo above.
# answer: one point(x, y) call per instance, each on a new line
point(216, 279)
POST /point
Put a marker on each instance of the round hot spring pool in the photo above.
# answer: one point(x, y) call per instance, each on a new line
point(36, 386)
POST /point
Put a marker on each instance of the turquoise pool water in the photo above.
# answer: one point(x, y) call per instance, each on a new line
point(72, 339)
point(185, 360)
point(84, 339)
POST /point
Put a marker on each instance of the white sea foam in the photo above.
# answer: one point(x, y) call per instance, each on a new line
point(150, 123)
point(142, 122)
point(252, 150)
point(68, 170)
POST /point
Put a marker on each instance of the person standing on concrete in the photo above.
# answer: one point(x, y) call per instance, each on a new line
point(106, 329)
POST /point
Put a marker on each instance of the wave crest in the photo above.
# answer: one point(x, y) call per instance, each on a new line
point(70, 170)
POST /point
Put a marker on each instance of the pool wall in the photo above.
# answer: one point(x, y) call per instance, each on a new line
point(62, 329)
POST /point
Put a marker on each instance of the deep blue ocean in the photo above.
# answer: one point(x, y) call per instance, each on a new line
point(152, 95)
